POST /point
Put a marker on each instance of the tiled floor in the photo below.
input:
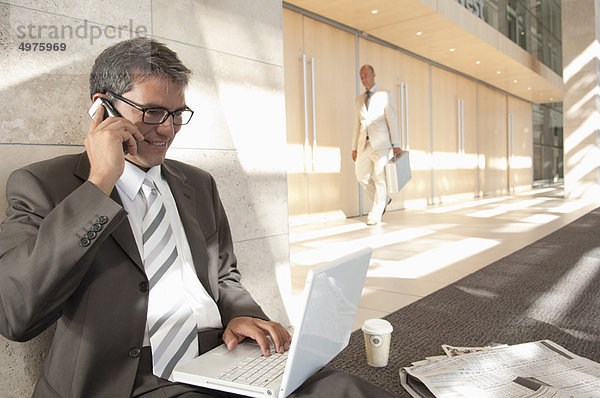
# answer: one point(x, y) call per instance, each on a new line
point(416, 252)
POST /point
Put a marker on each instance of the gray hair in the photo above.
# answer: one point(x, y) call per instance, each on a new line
point(119, 67)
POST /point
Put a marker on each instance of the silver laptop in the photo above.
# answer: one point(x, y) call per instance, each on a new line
point(331, 297)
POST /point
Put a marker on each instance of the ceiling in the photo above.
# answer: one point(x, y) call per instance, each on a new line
point(449, 35)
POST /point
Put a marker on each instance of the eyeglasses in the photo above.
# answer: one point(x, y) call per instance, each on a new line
point(158, 115)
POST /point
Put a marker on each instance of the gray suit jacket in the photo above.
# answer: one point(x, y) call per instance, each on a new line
point(379, 122)
point(67, 254)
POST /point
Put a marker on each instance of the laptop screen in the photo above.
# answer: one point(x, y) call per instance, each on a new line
point(332, 293)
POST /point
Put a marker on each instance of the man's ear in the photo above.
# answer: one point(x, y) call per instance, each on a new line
point(98, 95)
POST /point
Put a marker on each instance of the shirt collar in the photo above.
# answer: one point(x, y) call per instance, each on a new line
point(132, 178)
point(372, 89)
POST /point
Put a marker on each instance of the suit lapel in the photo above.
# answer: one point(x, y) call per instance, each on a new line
point(185, 198)
point(124, 237)
point(363, 99)
point(122, 233)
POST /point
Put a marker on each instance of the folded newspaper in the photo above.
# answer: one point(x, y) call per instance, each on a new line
point(535, 369)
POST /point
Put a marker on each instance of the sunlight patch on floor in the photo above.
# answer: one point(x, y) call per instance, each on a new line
point(430, 261)
point(416, 252)
point(300, 236)
point(317, 252)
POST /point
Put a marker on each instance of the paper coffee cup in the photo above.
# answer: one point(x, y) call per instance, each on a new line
point(378, 333)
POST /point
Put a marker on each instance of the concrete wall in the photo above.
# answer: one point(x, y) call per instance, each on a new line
point(235, 50)
point(581, 102)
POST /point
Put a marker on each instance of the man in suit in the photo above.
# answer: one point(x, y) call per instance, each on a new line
point(375, 137)
point(73, 246)
point(83, 246)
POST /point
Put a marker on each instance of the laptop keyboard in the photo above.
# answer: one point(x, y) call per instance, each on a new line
point(258, 371)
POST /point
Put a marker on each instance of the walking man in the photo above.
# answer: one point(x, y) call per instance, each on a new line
point(375, 137)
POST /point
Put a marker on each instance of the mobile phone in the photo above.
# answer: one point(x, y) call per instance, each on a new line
point(110, 110)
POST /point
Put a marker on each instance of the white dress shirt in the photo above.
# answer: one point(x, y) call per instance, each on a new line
point(203, 306)
point(379, 122)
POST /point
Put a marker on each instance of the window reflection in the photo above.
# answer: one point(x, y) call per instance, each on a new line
point(547, 143)
point(533, 24)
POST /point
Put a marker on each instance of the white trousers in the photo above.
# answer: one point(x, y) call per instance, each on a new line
point(370, 173)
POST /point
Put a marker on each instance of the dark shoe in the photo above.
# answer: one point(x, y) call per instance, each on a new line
point(386, 205)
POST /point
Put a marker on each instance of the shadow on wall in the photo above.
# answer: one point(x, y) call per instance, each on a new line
point(236, 91)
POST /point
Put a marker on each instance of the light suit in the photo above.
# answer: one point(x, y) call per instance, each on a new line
point(375, 132)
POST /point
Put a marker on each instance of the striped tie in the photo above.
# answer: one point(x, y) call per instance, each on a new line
point(172, 328)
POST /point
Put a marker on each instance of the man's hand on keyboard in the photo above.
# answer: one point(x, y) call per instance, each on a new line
point(257, 329)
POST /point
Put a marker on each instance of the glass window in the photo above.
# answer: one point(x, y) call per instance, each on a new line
point(547, 144)
point(535, 25)
point(490, 13)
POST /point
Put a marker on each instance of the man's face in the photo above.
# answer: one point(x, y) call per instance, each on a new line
point(367, 77)
point(153, 92)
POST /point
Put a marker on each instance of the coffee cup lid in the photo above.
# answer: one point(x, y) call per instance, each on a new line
point(377, 326)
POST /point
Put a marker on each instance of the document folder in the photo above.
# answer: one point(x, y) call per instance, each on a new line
point(397, 172)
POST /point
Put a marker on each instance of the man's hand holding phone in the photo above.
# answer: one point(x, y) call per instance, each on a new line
point(105, 143)
point(109, 111)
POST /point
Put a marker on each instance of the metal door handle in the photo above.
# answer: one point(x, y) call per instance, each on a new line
point(402, 117)
point(406, 131)
point(458, 126)
point(314, 113)
point(511, 149)
point(462, 119)
point(305, 109)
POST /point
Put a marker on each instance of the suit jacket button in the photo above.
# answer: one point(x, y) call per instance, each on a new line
point(102, 220)
point(91, 235)
point(143, 286)
point(134, 352)
point(84, 242)
point(96, 227)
